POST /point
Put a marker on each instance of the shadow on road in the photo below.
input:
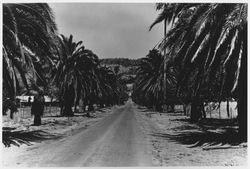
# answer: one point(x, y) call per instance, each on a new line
point(212, 123)
point(189, 135)
point(21, 137)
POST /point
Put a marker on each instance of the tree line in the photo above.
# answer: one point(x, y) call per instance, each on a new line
point(36, 57)
point(202, 58)
point(121, 61)
point(205, 56)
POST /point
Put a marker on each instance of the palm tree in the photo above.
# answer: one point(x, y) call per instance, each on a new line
point(28, 31)
point(210, 40)
point(148, 88)
point(169, 13)
point(75, 73)
point(122, 90)
point(106, 86)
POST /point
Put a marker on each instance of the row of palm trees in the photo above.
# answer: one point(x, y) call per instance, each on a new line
point(148, 86)
point(207, 45)
point(79, 75)
point(35, 57)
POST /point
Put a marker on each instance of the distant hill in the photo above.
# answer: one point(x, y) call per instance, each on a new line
point(126, 67)
point(120, 61)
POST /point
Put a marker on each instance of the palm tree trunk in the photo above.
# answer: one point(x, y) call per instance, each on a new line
point(67, 111)
point(165, 68)
point(50, 107)
point(242, 99)
point(61, 110)
point(203, 111)
point(158, 107)
point(193, 114)
point(197, 105)
point(242, 118)
point(196, 110)
point(172, 108)
point(90, 108)
point(76, 103)
point(67, 107)
point(84, 107)
point(228, 113)
point(185, 109)
point(75, 108)
point(219, 112)
point(11, 114)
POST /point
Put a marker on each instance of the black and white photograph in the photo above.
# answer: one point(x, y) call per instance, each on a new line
point(124, 84)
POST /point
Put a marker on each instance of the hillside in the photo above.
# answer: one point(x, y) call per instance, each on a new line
point(124, 66)
point(125, 62)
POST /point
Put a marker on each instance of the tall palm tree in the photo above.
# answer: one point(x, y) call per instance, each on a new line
point(106, 86)
point(75, 73)
point(212, 39)
point(149, 81)
point(169, 13)
point(28, 31)
point(122, 93)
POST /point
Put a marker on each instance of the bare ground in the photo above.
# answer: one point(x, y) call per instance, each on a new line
point(176, 142)
point(115, 140)
point(123, 136)
point(19, 135)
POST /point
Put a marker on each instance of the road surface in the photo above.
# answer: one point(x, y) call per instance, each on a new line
point(116, 140)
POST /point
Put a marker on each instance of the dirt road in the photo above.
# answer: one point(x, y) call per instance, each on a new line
point(116, 140)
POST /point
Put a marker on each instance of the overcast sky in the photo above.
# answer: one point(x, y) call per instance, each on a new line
point(110, 30)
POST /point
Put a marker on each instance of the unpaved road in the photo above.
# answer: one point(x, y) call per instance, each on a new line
point(116, 140)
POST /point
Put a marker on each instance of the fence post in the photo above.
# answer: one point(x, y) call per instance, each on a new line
point(231, 113)
point(210, 111)
point(21, 107)
point(219, 112)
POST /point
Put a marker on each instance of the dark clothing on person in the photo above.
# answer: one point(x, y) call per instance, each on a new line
point(37, 108)
point(29, 101)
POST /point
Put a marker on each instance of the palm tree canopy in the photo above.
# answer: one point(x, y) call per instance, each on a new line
point(75, 66)
point(149, 78)
point(28, 31)
point(210, 38)
point(170, 12)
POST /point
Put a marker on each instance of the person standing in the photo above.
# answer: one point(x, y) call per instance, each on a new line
point(29, 101)
point(37, 107)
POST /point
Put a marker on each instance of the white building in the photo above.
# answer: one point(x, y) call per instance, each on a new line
point(25, 98)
